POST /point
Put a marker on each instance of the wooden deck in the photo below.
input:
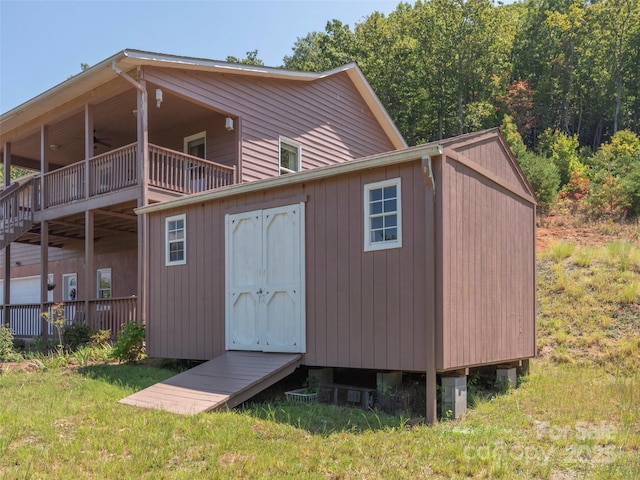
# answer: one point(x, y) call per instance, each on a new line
point(228, 379)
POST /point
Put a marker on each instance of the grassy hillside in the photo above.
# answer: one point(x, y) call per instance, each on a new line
point(589, 304)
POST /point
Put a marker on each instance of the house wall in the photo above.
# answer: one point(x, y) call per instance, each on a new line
point(119, 254)
point(364, 309)
point(487, 269)
point(221, 145)
point(328, 116)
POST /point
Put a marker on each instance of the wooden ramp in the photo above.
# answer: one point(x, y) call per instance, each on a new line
point(229, 379)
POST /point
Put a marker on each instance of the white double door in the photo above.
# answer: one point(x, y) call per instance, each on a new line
point(265, 289)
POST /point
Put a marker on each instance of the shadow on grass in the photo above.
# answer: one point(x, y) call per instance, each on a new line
point(135, 376)
point(322, 419)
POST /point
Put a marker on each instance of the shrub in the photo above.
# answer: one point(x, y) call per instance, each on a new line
point(7, 351)
point(100, 338)
point(130, 346)
point(543, 176)
point(76, 335)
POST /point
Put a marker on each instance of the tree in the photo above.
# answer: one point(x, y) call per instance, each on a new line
point(541, 172)
point(562, 149)
point(250, 59)
point(320, 51)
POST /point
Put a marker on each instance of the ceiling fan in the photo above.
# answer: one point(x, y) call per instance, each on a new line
point(100, 141)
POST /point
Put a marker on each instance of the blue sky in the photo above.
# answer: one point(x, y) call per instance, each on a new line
point(42, 43)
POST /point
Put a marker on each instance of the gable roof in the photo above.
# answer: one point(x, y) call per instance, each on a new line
point(129, 59)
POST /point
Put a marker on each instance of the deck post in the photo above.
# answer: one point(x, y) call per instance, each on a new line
point(44, 276)
point(6, 286)
point(89, 276)
point(44, 163)
point(88, 148)
point(143, 169)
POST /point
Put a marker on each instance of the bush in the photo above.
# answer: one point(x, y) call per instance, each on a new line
point(7, 351)
point(543, 176)
point(100, 338)
point(130, 346)
point(76, 335)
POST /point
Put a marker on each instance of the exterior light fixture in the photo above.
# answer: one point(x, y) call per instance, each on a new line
point(228, 124)
point(158, 97)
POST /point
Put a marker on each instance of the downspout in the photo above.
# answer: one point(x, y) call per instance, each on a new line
point(430, 268)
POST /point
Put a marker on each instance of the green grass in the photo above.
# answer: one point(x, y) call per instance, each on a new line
point(65, 423)
point(576, 415)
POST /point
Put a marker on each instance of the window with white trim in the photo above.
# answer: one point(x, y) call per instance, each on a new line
point(176, 240)
point(382, 215)
point(196, 145)
point(104, 283)
point(290, 155)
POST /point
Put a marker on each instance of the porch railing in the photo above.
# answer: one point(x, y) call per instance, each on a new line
point(118, 169)
point(113, 170)
point(106, 314)
point(17, 204)
point(179, 172)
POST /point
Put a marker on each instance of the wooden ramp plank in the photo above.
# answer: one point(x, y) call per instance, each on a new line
point(228, 379)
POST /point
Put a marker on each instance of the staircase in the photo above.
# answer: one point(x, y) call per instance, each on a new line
point(17, 204)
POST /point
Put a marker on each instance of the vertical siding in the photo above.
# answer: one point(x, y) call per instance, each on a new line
point(485, 152)
point(370, 309)
point(328, 117)
point(368, 306)
point(488, 278)
point(364, 309)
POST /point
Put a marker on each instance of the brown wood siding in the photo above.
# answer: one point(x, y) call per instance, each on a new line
point(220, 144)
point(364, 309)
point(118, 254)
point(370, 309)
point(485, 152)
point(328, 117)
point(487, 271)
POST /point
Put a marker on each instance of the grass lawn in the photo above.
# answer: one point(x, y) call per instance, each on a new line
point(577, 415)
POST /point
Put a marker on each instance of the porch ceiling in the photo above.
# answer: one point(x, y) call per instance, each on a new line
point(64, 232)
point(114, 122)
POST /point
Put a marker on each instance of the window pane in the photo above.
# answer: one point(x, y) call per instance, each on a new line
point(377, 222)
point(390, 206)
point(196, 148)
point(289, 157)
point(176, 252)
point(375, 194)
point(391, 234)
point(390, 192)
point(375, 208)
point(377, 236)
point(391, 221)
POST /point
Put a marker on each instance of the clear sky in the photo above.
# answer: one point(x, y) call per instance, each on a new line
point(42, 43)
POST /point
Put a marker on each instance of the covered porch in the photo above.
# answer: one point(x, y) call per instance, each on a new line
point(93, 160)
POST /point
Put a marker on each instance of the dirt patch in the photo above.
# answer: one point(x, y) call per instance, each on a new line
point(552, 229)
point(23, 366)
